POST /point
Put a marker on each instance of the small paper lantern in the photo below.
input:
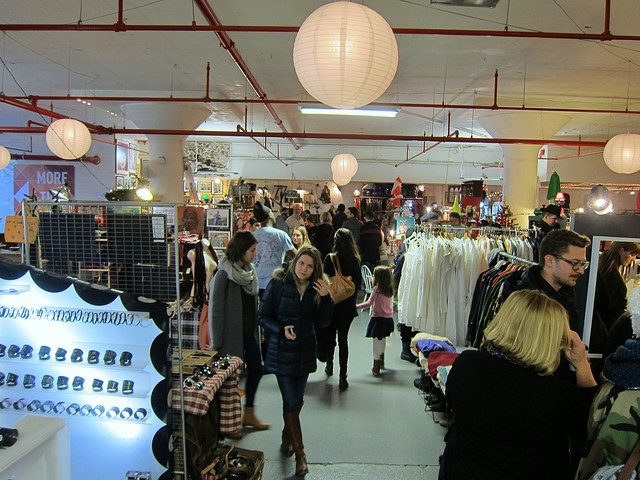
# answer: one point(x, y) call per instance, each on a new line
point(342, 181)
point(68, 138)
point(345, 55)
point(344, 165)
point(5, 157)
point(622, 153)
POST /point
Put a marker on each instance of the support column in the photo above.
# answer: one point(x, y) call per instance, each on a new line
point(521, 161)
point(165, 169)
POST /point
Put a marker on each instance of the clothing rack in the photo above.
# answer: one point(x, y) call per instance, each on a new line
point(514, 258)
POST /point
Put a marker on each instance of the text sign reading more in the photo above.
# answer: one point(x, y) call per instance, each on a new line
point(42, 179)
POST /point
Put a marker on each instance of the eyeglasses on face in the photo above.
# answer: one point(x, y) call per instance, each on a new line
point(575, 264)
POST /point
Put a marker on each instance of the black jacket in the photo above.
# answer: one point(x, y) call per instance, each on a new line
point(369, 243)
point(346, 308)
point(531, 279)
point(280, 306)
point(338, 220)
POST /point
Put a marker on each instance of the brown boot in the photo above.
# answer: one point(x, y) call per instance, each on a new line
point(285, 447)
point(294, 432)
point(376, 368)
point(249, 419)
point(382, 361)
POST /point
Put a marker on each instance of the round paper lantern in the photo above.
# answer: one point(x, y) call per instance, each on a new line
point(345, 55)
point(5, 157)
point(344, 165)
point(68, 138)
point(622, 153)
point(342, 181)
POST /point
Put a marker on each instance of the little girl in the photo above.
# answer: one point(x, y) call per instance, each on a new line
point(381, 321)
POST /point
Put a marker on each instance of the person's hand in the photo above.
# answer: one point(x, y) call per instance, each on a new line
point(289, 332)
point(321, 287)
point(576, 353)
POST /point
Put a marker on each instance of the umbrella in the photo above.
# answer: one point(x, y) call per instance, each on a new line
point(554, 187)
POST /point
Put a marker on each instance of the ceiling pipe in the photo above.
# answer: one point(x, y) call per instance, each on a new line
point(47, 113)
point(221, 30)
point(333, 136)
point(229, 46)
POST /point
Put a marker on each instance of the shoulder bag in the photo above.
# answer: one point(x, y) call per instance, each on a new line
point(341, 287)
point(620, 472)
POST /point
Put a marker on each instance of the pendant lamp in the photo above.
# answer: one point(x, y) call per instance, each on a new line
point(622, 153)
point(5, 157)
point(345, 55)
point(341, 181)
point(344, 165)
point(68, 138)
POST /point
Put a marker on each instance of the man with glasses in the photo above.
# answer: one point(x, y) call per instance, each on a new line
point(562, 260)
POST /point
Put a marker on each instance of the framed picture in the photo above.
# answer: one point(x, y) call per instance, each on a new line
point(219, 239)
point(216, 188)
point(132, 157)
point(122, 159)
point(119, 181)
point(452, 191)
point(134, 181)
point(191, 219)
point(218, 218)
point(204, 187)
point(126, 182)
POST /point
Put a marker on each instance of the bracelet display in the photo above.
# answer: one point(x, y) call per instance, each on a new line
point(61, 354)
point(140, 414)
point(34, 405)
point(47, 382)
point(97, 411)
point(109, 357)
point(78, 383)
point(14, 351)
point(44, 353)
point(29, 381)
point(125, 359)
point(85, 410)
point(112, 386)
point(63, 382)
point(73, 409)
point(3, 349)
point(19, 404)
point(113, 412)
point(47, 406)
point(76, 355)
point(127, 387)
point(2, 377)
point(126, 413)
point(6, 403)
point(26, 351)
point(93, 357)
point(12, 379)
point(60, 407)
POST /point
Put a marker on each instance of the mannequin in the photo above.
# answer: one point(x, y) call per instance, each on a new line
point(204, 263)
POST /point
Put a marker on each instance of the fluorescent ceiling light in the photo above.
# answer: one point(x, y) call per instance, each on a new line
point(361, 112)
point(466, 3)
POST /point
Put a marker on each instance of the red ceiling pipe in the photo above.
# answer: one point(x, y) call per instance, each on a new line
point(230, 47)
point(452, 106)
point(333, 136)
point(48, 113)
point(217, 27)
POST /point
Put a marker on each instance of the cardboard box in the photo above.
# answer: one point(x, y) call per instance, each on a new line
point(191, 359)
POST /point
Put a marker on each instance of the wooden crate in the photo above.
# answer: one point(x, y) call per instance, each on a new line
point(191, 359)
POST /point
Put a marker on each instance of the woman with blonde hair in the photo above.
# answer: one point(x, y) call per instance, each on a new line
point(512, 416)
point(300, 238)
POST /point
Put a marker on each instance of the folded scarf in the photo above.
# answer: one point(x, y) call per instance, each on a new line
point(245, 275)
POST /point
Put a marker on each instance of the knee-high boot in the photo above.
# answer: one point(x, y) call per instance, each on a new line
point(285, 446)
point(329, 368)
point(294, 432)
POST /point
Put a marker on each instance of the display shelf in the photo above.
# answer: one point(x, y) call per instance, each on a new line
point(120, 402)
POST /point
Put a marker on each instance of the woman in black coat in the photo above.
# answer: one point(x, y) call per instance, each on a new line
point(294, 303)
point(345, 253)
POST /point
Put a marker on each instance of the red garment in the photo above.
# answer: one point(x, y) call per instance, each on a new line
point(437, 359)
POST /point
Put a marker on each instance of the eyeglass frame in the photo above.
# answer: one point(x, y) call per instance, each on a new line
point(576, 265)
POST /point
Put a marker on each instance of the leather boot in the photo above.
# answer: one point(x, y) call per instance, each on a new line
point(249, 419)
point(285, 447)
point(294, 432)
point(329, 368)
point(376, 368)
point(382, 361)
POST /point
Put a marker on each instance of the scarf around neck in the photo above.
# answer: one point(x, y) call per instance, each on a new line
point(244, 276)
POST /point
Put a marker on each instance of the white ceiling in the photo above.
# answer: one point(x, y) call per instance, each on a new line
point(433, 69)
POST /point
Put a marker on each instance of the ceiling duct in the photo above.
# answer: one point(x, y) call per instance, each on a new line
point(466, 3)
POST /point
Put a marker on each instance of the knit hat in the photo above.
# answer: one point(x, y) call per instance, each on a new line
point(260, 212)
point(623, 366)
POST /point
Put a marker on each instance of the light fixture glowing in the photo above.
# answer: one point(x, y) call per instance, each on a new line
point(5, 157)
point(344, 165)
point(143, 192)
point(622, 153)
point(421, 188)
point(68, 138)
point(356, 193)
point(345, 55)
point(355, 112)
point(599, 201)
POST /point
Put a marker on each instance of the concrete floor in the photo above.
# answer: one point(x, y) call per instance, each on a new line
point(377, 429)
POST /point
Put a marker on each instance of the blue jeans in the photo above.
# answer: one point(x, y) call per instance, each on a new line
point(253, 361)
point(292, 391)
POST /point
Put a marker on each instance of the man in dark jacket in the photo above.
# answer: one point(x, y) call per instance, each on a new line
point(562, 260)
point(352, 223)
point(550, 216)
point(370, 241)
point(339, 218)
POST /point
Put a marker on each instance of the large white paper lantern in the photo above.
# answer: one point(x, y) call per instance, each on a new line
point(68, 138)
point(622, 153)
point(341, 181)
point(344, 165)
point(5, 157)
point(345, 55)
